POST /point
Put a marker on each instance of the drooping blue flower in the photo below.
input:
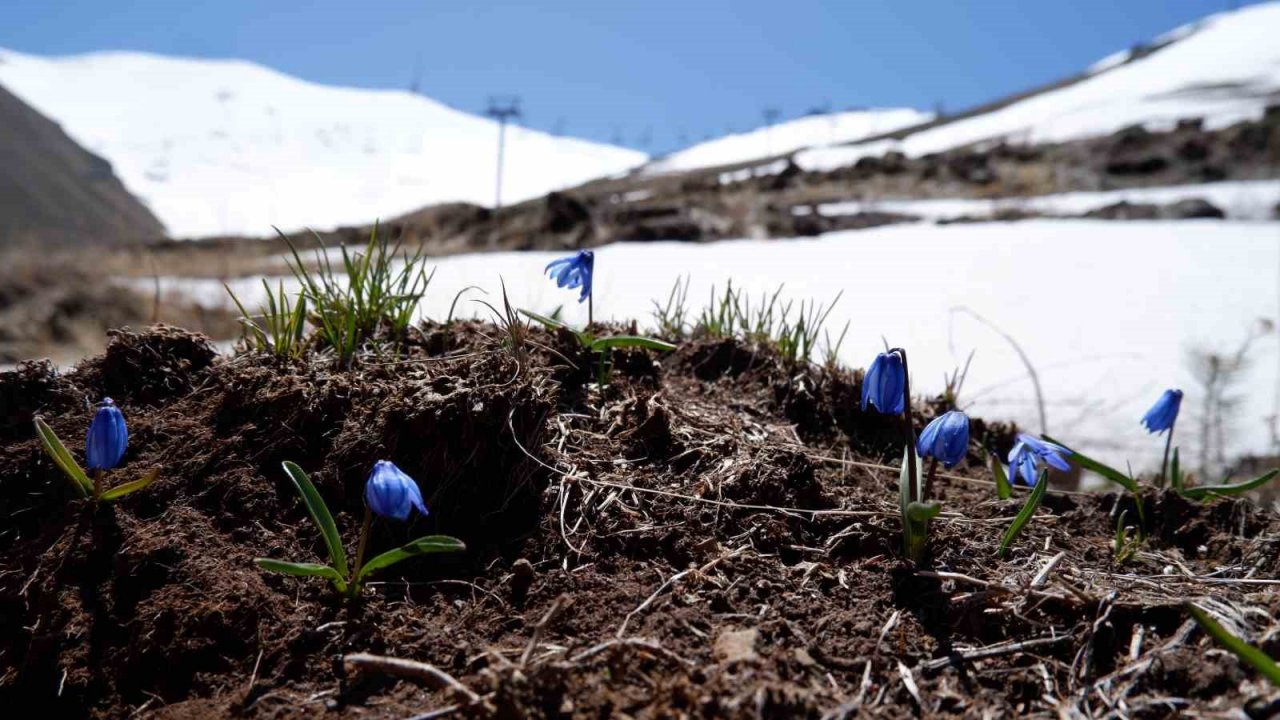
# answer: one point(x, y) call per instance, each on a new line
point(1164, 413)
point(107, 439)
point(389, 492)
point(1029, 451)
point(574, 272)
point(946, 438)
point(1022, 465)
point(883, 384)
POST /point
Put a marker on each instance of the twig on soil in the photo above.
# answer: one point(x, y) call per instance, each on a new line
point(888, 626)
point(1004, 648)
point(997, 587)
point(909, 681)
point(399, 667)
point(649, 645)
point(560, 603)
point(622, 629)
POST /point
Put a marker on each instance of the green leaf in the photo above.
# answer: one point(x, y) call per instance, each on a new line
point(1251, 655)
point(1024, 515)
point(918, 512)
point(548, 322)
point(1105, 471)
point(303, 570)
point(915, 514)
point(421, 546)
point(631, 341)
point(58, 453)
point(1200, 492)
point(320, 514)
point(1003, 489)
point(132, 486)
point(551, 323)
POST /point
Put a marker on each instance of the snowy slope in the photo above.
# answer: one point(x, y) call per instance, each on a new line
point(229, 147)
point(786, 137)
point(1224, 69)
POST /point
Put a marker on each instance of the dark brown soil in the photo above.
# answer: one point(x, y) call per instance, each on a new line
point(712, 535)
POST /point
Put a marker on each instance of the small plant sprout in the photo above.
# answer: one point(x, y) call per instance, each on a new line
point(389, 493)
point(282, 329)
point(1161, 417)
point(886, 387)
point(575, 272)
point(671, 317)
point(1128, 540)
point(104, 447)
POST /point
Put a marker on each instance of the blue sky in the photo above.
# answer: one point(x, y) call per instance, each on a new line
point(655, 75)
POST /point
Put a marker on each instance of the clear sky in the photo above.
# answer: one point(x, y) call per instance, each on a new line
point(653, 75)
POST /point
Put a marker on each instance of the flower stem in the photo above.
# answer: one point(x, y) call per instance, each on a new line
point(365, 527)
point(591, 301)
point(929, 475)
point(909, 431)
point(97, 486)
point(1168, 442)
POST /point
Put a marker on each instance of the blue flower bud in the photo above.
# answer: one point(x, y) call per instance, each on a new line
point(882, 385)
point(1164, 413)
point(391, 493)
point(574, 272)
point(945, 439)
point(107, 439)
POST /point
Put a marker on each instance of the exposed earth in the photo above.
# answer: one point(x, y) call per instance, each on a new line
point(712, 534)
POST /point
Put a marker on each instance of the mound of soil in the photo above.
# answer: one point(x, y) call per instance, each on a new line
point(712, 534)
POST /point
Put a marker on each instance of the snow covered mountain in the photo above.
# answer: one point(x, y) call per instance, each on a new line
point(221, 147)
point(789, 136)
point(1222, 69)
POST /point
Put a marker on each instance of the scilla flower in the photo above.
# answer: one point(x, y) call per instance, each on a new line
point(1028, 451)
point(945, 439)
point(574, 272)
point(389, 492)
point(883, 384)
point(1164, 413)
point(107, 439)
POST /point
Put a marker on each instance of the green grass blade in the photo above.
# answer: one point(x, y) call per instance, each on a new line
point(543, 319)
point(303, 570)
point(1175, 474)
point(1003, 489)
point(623, 341)
point(320, 514)
point(421, 546)
point(1105, 471)
point(132, 486)
point(1247, 653)
point(1024, 515)
point(58, 453)
point(1200, 492)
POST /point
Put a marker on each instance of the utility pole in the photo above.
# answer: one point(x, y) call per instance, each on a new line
point(771, 115)
point(502, 108)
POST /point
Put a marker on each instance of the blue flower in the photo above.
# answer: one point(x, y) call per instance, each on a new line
point(391, 493)
point(574, 272)
point(107, 438)
point(1022, 465)
point(946, 438)
point(1164, 413)
point(1028, 451)
point(882, 385)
